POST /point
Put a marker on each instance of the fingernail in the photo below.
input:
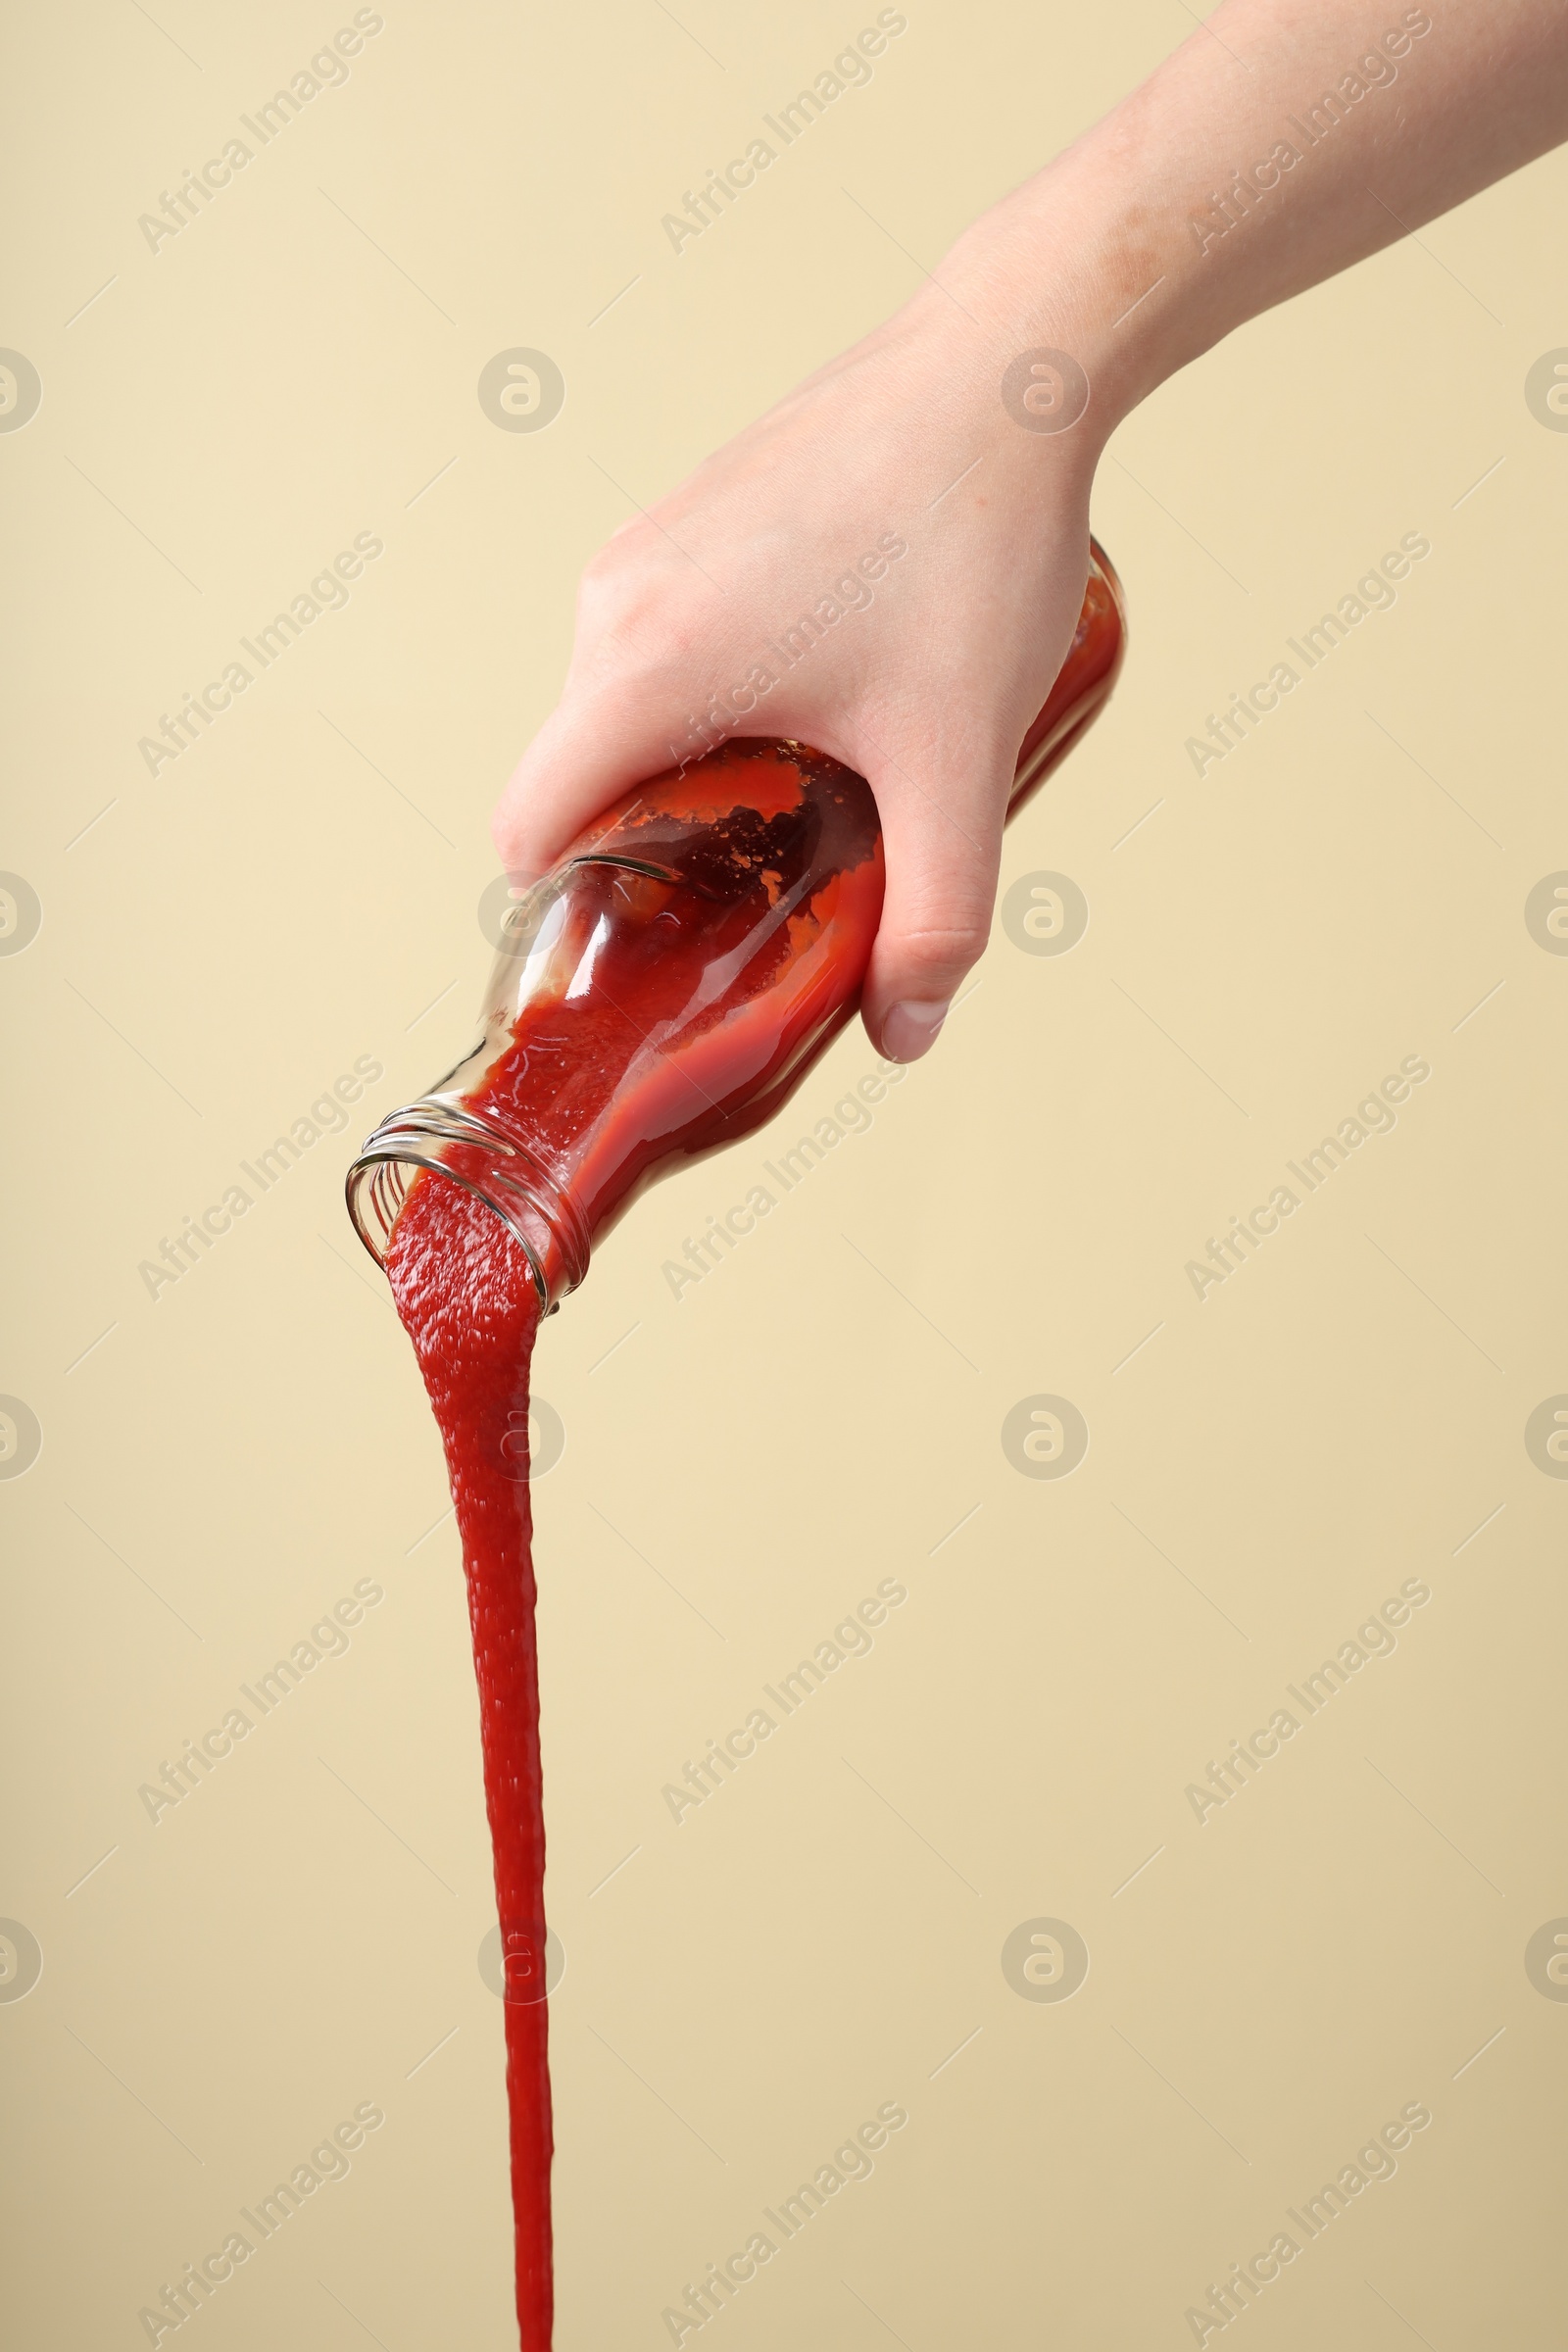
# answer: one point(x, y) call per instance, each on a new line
point(910, 1030)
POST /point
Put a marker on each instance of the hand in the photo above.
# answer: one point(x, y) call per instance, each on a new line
point(713, 615)
point(1135, 251)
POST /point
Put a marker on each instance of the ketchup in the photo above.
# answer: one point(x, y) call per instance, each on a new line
point(662, 991)
point(467, 1300)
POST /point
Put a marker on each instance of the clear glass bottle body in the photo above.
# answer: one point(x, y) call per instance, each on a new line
point(666, 988)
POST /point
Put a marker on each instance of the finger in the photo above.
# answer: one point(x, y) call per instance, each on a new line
point(591, 750)
point(941, 836)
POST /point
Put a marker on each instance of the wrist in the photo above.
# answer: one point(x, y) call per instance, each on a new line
point(1053, 267)
point(1091, 259)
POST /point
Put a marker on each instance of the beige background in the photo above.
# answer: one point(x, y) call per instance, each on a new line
point(220, 1466)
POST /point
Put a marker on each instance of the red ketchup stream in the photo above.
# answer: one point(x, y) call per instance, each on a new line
point(579, 1075)
point(466, 1296)
point(677, 1008)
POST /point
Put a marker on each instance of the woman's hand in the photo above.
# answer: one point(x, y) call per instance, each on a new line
point(887, 566)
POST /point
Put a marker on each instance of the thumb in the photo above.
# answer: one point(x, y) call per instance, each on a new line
point(941, 835)
point(591, 750)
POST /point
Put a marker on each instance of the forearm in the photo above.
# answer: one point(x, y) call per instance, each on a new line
point(1283, 141)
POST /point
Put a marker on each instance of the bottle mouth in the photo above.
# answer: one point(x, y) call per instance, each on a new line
point(443, 1136)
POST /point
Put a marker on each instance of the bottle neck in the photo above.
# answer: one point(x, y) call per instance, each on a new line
point(447, 1139)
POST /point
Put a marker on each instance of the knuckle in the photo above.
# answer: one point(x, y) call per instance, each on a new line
point(951, 946)
point(636, 620)
point(620, 576)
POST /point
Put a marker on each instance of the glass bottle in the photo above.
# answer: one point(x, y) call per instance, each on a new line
point(666, 988)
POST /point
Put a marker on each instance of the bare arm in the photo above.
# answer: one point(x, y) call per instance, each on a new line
point(1283, 141)
point(1276, 147)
